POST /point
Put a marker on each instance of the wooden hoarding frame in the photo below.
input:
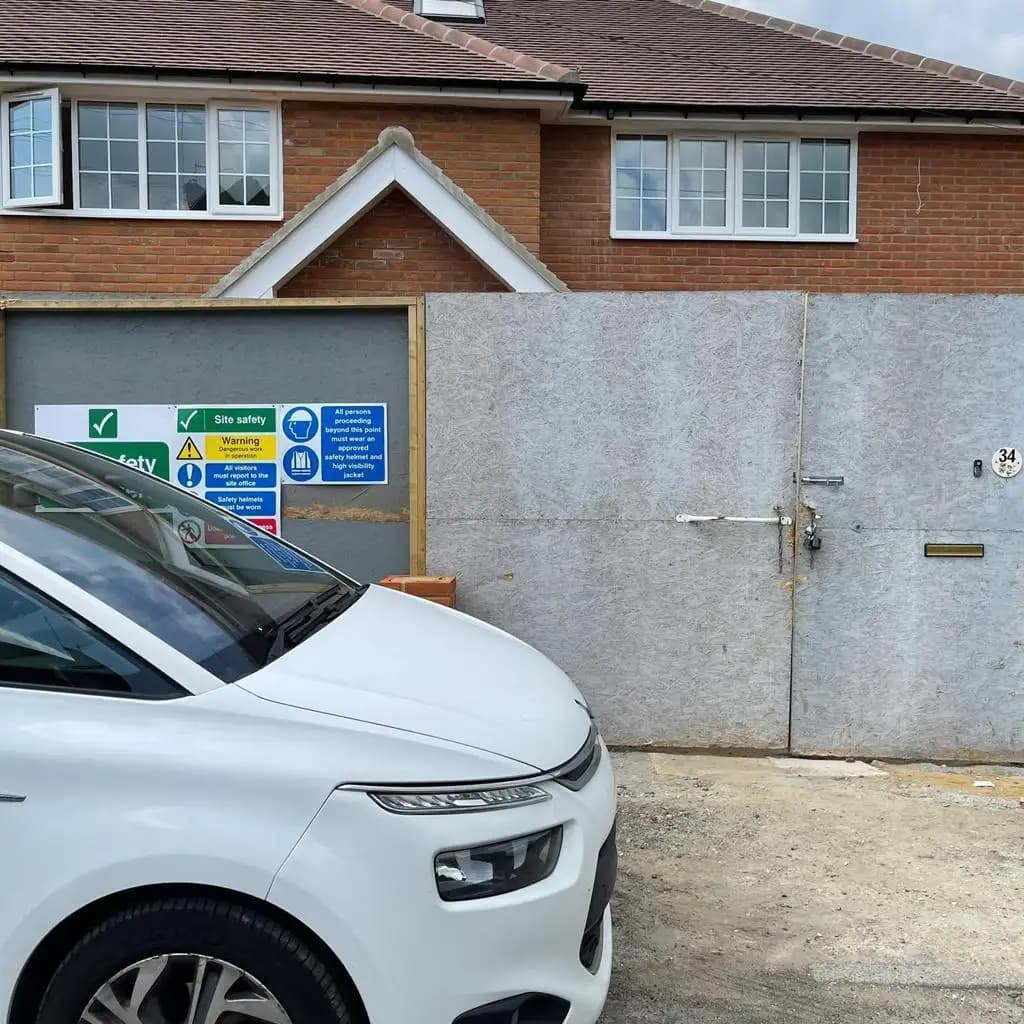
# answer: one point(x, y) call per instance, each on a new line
point(415, 310)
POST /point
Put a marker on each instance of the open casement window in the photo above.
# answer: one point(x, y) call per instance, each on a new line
point(30, 151)
point(734, 185)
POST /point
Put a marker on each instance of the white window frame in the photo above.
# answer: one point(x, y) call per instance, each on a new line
point(214, 210)
point(734, 230)
point(276, 169)
point(56, 197)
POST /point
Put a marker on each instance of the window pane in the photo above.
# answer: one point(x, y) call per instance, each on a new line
point(689, 183)
point(655, 152)
point(652, 183)
point(777, 156)
point(689, 153)
point(92, 120)
point(627, 182)
point(257, 126)
point(42, 148)
point(654, 215)
point(192, 124)
point(42, 181)
point(124, 191)
point(627, 214)
point(192, 158)
point(257, 158)
point(714, 155)
point(21, 150)
point(232, 190)
point(689, 213)
point(837, 156)
point(162, 157)
point(160, 122)
point(627, 150)
point(753, 155)
point(812, 155)
point(777, 185)
point(837, 186)
point(124, 121)
point(714, 183)
point(124, 156)
point(777, 215)
point(21, 116)
point(753, 184)
point(811, 186)
point(811, 218)
point(21, 183)
point(163, 192)
point(42, 116)
point(192, 193)
point(714, 213)
point(753, 215)
point(231, 125)
point(231, 159)
point(47, 647)
point(92, 156)
point(257, 191)
point(837, 219)
point(94, 191)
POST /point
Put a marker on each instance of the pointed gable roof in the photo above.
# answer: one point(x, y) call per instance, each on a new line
point(394, 162)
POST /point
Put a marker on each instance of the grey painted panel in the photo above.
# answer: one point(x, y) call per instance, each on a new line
point(675, 636)
point(365, 551)
point(895, 654)
point(898, 655)
point(210, 357)
point(625, 406)
point(903, 394)
point(564, 434)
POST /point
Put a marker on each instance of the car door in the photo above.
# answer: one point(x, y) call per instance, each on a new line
point(67, 692)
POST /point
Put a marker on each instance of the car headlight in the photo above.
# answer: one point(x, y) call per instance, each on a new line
point(482, 871)
point(458, 801)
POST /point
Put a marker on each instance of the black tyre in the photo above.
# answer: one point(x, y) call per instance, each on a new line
point(192, 959)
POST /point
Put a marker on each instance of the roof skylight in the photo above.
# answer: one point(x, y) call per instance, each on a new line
point(451, 10)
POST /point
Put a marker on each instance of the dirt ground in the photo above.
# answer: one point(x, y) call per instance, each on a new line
point(758, 891)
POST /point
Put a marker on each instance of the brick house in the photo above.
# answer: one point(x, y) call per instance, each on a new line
point(255, 148)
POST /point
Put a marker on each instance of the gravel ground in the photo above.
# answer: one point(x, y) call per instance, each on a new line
point(756, 891)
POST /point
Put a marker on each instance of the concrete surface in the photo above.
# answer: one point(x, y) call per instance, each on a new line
point(762, 892)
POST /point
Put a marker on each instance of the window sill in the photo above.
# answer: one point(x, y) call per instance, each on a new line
point(668, 236)
point(202, 215)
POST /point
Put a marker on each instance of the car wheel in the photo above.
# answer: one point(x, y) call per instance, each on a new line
point(192, 960)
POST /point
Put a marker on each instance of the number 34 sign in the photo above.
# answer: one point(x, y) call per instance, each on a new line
point(1008, 462)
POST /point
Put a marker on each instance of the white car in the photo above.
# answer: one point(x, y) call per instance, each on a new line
point(236, 786)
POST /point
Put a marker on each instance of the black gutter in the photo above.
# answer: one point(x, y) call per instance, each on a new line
point(613, 110)
point(236, 75)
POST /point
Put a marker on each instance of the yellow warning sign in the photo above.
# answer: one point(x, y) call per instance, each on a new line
point(241, 447)
point(189, 451)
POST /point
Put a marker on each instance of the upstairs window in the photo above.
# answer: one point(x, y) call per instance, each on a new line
point(140, 159)
point(744, 186)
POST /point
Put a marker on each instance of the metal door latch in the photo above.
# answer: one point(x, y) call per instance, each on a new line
point(776, 520)
point(812, 536)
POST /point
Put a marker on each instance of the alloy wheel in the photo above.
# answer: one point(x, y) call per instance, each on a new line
point(183, 988)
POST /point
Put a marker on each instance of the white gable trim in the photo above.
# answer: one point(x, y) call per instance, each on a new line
point(394, 162)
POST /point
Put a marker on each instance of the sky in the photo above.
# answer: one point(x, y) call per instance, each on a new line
point(986, 34)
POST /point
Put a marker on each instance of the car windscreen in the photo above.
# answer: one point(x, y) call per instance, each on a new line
point(210, 585)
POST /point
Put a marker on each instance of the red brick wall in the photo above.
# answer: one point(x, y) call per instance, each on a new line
point(393, 248)
point(493, 155)
point(936, 213)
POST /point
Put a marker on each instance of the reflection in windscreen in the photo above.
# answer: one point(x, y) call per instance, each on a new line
point(205, 583)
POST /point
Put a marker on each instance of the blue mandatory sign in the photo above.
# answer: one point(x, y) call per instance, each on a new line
point(190, 475)
point(354, 444)
point(245, 503)
point(241, 474)
point(300, 424)
point(301, 463)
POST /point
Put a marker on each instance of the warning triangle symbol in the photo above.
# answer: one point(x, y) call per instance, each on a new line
point(189, 451)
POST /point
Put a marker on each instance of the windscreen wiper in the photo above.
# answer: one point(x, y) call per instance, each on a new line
point(311, 616)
